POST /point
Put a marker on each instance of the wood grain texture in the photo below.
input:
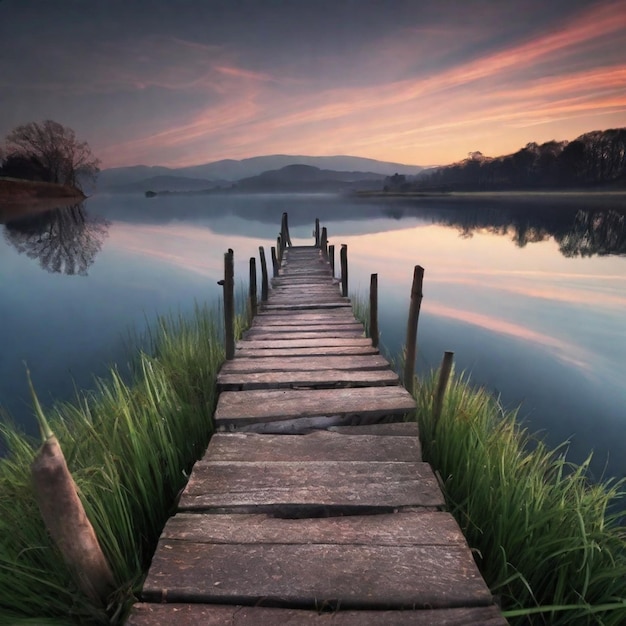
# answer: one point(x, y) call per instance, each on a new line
point(222, 615)
point(305, 364)
point(275, 405)
point(327, 379)
point(242, 350)
point(262, 486)
point(310, 576)
point(426, 528)
point(394, 429)
point(317, 446)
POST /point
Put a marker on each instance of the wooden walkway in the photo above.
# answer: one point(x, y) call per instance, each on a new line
point(312, 505)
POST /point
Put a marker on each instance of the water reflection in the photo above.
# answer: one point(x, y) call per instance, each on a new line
point(578, 232)
point(64, 240)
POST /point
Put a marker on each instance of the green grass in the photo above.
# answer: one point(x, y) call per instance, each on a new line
point(130, 447)
point(549, 542)
point(543, 534)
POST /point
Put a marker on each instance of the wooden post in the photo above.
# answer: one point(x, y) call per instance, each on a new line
point(324, 241)
point(264, 282)
point(229, 304)
point(411, 328)
point(442, 383)
point(374, 309)
point(252, 302)
point(343, 256)
point(317, 232)
point(274, 262)
point(279, 249)
point(331, 258)
point(284, 230)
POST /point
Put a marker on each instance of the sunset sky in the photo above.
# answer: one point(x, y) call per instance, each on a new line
point(183, 82)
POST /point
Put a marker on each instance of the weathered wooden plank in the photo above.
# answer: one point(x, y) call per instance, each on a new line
point(304, 364)
point(332, 314)
point(318, 446)
point(328, 318)
point(393, 429)
point(144, 614)
point(302, 307)
point(240, 407)
point(288, 344)
point(268, 334)
point(427, 528)
point(309, 576)
point(319, 379)
point(296, 487)
point(262, 329)
point(307, 301)
point(242, 351)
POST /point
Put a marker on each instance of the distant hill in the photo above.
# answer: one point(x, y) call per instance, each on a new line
point(118, 179)
point(594, 160)
point(299, 177)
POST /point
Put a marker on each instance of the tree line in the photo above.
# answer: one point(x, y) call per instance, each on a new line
point(47, 151)
point(595, 159)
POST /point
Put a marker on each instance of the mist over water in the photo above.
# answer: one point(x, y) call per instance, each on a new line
point(528, 291)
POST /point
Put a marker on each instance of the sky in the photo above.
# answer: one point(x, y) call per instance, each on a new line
point(185, 82)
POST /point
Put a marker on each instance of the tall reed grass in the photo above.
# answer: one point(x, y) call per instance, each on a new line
point(130, 447)
point(547, 540)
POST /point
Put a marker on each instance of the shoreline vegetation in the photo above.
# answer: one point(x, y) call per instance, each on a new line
point(14, 190)
point(158, 423)
point(543, 535)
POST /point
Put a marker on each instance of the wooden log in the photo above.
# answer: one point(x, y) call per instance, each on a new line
point(344, 269)
point(442, 383)
point(264, 280)
point(252, 292)
point(274, 262)
point(331, 258)
point(317, 232)
point(229, 304)
point(374, 310)
point(411, 330)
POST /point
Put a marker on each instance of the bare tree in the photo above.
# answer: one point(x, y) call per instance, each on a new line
point(55, 148)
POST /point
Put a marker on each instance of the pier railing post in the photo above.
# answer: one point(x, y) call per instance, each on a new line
point(284, 230)
point(324, 241)
point(279, 250)
point(252, 297)
point(411, 329)
point(229, 304)
point(374, 310)
point(317, 232)
point(331, 258)
point(274, 263)
point(442, 384)
point(344, 269)
point(264, 280)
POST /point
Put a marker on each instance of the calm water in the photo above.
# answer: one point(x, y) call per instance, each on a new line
point(528, 293)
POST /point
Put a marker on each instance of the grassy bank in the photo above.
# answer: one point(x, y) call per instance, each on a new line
point(130, 447)
point(16, 189)
point(549, 542)
point(542, 533)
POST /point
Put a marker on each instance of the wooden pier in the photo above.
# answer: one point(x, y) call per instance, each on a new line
point(312, 505)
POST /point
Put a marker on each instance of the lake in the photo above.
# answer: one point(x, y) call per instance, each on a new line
point(529, 291)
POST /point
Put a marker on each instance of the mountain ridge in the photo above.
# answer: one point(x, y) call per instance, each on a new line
point(233, 170)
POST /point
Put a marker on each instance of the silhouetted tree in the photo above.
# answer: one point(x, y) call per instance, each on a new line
point(55, 150)
point(64, 240)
